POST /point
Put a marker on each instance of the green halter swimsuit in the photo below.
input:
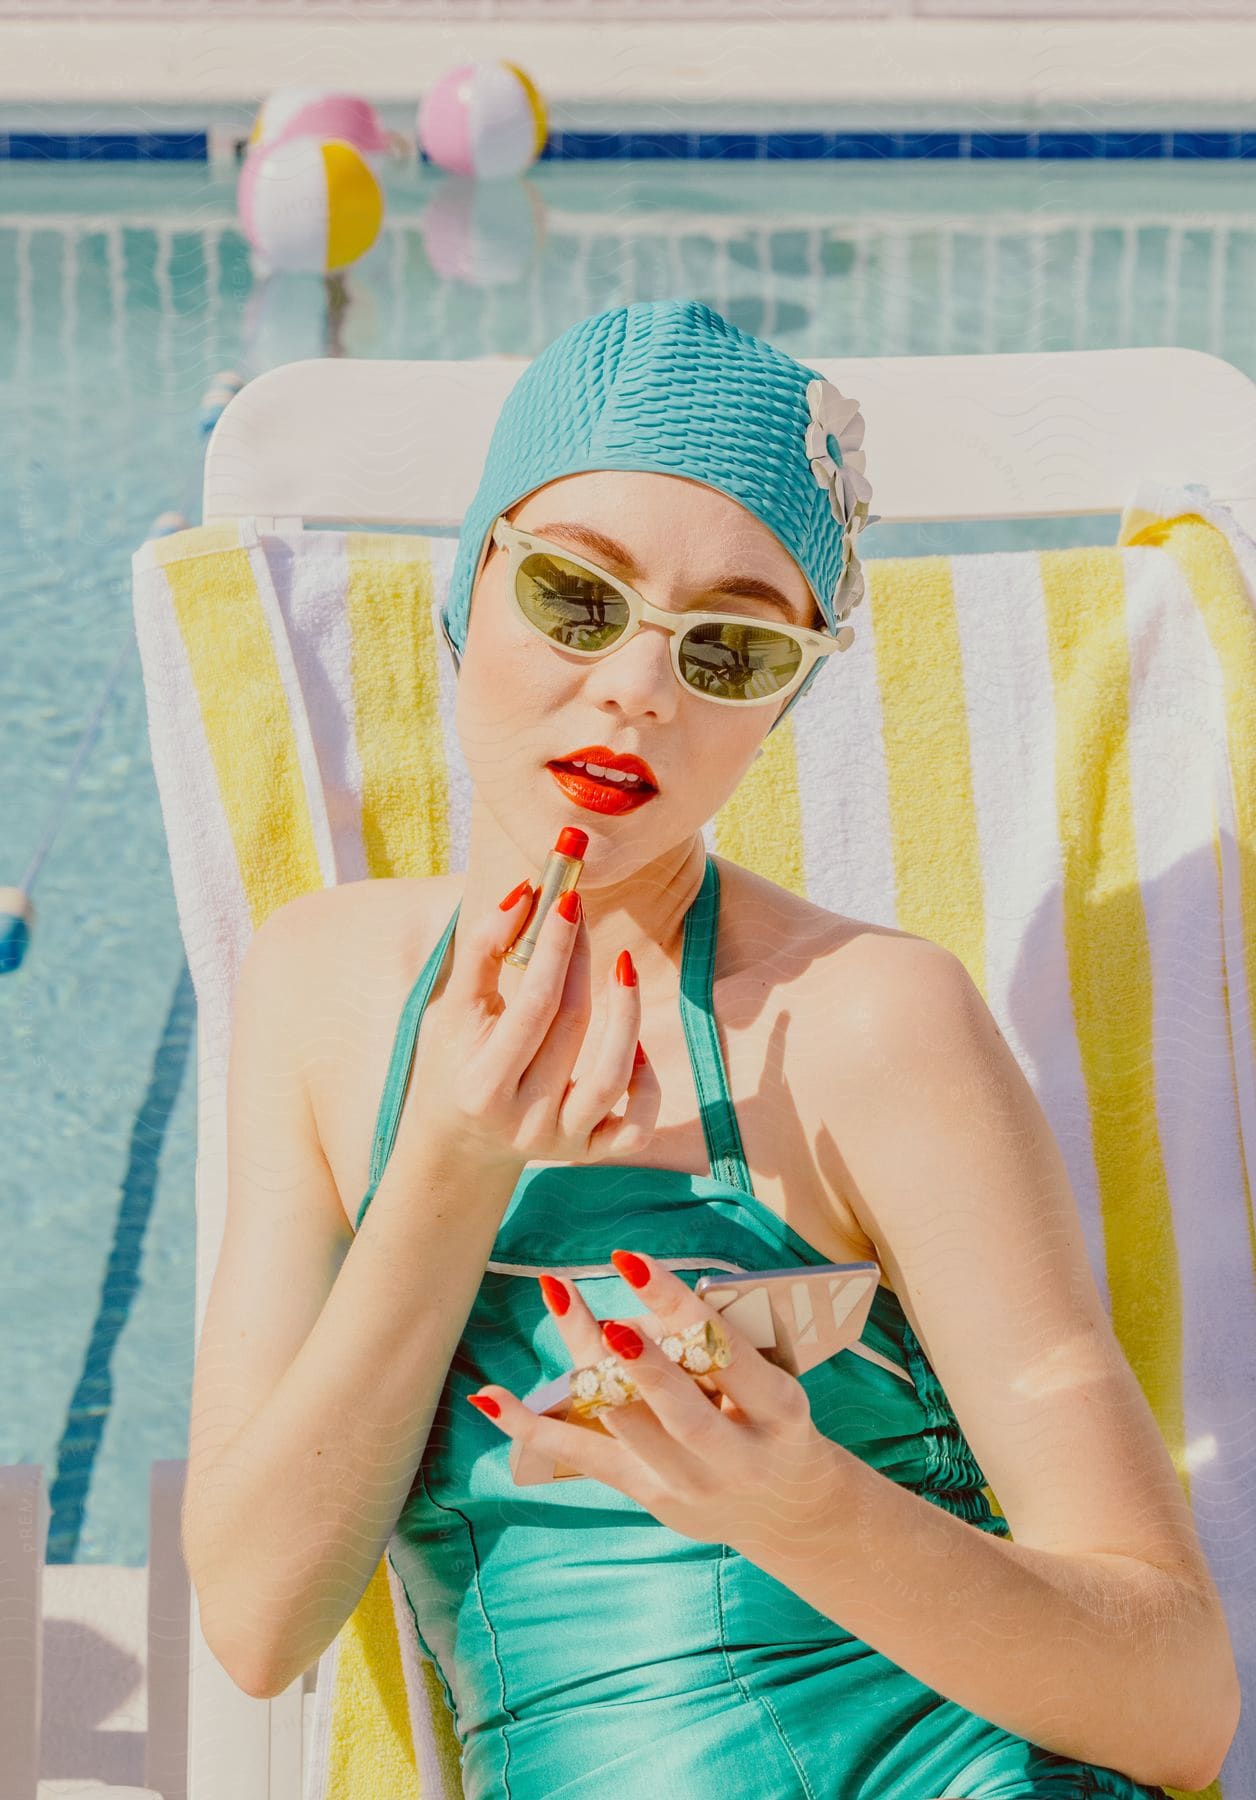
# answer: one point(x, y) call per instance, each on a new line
point(585, 1648)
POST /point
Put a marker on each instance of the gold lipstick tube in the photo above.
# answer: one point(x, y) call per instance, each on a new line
point(560, 874)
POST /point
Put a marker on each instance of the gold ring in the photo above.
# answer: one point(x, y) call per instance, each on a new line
point(699, 1348)
point(600, 1386)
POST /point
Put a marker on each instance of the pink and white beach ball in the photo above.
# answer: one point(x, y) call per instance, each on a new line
point(309, 205)
point(484, 119)
point(320, 113)
point(484, 233)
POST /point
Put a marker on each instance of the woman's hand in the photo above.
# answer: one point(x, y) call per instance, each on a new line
point(496, 1080)
point(743, 1465)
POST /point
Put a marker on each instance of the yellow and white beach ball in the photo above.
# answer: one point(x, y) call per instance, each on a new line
point(484, 119)
point(309, 204)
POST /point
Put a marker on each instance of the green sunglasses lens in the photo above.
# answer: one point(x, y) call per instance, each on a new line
point(735, 660)
point(569, 604)
point(739, 660)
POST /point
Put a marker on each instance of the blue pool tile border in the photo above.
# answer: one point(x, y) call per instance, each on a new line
point(105, 146)
point(717, 146)
point(882, 146)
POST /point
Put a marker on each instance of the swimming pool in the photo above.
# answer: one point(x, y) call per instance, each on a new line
point(122, 291)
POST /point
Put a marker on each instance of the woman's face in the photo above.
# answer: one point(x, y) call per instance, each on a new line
point(522, 704)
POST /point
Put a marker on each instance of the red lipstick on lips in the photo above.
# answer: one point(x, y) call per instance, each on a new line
point(602, 793)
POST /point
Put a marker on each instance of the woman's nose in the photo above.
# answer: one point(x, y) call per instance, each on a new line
point(638, 674)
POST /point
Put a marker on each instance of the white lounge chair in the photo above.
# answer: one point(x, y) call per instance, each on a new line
point(339, 443)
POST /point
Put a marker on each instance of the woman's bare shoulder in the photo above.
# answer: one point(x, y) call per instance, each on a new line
point(852, 987)
point(797, 939)
point(831, 998)
point(336, 928)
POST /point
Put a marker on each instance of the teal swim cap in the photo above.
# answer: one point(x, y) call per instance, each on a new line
point(674, 387)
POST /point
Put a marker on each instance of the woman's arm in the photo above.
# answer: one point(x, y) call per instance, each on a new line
point(322, 1355)
point(1102, 1657)
point(1098, 1633)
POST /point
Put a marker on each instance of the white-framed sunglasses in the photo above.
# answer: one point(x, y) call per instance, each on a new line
point(732, 659)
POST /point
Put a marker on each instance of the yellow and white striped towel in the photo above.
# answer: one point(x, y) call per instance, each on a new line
point(1044, 760)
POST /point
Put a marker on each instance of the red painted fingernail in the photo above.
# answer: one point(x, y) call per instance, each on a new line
point(638, 1055)
point(622, 1339)
point(556, 1296)
point(631, 1267)
point(569, 906)
point(486, 1404)
point(513, 895)
point(625, 974)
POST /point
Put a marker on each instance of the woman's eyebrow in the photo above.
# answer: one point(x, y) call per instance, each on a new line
point(742, 587)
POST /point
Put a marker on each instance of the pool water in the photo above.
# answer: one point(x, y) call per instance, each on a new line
point(121, 293)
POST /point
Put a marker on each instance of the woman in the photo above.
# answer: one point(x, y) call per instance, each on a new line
point(765, 1585)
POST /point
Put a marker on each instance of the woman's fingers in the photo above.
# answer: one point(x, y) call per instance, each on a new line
point(520, 1030)
point(583, 1337)
point(548, 1071)
point(582, 1334)
point(625, 1134)
point(587, 1110)
point(509, 1078)
point(579, 1330)
point(475, 974)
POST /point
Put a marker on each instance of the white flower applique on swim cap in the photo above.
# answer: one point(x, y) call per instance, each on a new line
point(837, 420)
